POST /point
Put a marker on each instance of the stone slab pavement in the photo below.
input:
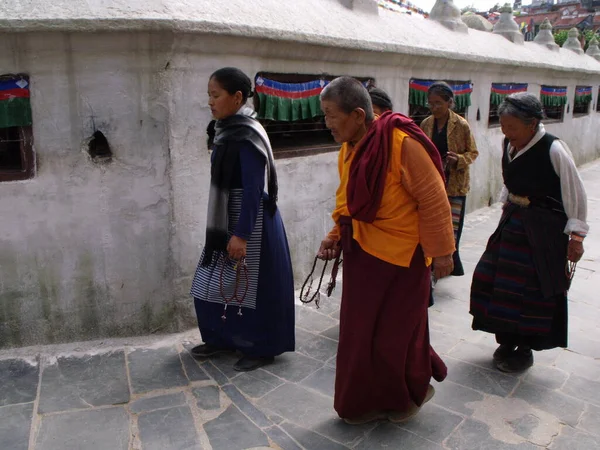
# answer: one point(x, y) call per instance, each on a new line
point(149, 393)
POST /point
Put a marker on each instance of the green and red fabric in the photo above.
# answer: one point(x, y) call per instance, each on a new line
point(502, 90)
point(417, 92)
point(288, 102)
point(15, 108)
point(583, 94)
point(553, 96)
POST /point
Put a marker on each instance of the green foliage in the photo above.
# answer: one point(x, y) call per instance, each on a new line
point(561, 36)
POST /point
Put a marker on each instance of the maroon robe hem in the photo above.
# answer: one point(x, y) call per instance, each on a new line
point(385, 361)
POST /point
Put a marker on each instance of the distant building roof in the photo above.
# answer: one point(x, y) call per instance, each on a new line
point(402, 6)
point(538, 19)
point(566, 17)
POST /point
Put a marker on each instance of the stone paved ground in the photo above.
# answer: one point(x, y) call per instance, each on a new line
point(149, 393)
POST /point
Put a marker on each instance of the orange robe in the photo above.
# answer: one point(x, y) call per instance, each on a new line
point(412, 211)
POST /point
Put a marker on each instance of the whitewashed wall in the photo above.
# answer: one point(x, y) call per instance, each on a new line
point(85, 248)
point(91, 250)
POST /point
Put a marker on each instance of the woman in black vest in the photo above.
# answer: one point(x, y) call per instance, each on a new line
point(520, 283)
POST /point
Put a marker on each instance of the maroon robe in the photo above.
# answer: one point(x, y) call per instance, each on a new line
point(371, 163)
point(385, 361)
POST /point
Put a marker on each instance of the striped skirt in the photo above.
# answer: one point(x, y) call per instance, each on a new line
point(220, 281)
point(506, 294)
point(457, 205)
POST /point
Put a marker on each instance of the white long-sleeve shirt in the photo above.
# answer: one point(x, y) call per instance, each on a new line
point(573, 193)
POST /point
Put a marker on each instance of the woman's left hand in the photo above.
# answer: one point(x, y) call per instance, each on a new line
point(452, 158)
point(236, 248)
point(574, 251)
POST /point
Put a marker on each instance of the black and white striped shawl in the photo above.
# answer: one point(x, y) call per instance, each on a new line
point(229, 132)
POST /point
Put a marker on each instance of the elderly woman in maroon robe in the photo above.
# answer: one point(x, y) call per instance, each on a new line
point(392, 222)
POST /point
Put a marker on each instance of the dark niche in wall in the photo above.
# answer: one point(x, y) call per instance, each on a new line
point(98, 148)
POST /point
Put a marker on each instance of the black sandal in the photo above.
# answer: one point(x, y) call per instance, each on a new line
point(207, 350)
point(248, 364)
point(519, 361)
point(503, 352)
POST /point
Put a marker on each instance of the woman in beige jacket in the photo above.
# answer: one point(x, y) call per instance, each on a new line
point(452, 136)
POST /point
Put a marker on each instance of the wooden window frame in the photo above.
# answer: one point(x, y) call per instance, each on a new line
point(581, 105)
point(578, 109)
point(321, 141)
point(493, 117)
point(418, 113)
point(27, 170)
point(552, 118)
point(24, 137)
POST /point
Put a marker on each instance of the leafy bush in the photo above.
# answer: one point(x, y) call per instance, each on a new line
point(561, 36)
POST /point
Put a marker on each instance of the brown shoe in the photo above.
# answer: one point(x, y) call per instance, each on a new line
point(413, 410)
point(366, 418)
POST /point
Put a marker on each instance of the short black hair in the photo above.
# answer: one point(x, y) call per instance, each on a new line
point(233, 80)
point(349, 93)
point(381, 99)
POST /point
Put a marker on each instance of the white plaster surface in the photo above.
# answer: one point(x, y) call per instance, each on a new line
point(477, 22)
point(325, 22)
point(572, 43)
point(91, 250)
point(507, 27)
point(85, 248)
point(448, 14)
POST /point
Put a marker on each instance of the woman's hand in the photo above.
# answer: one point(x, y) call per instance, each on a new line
point(452, 159)
point(236, 248)
point(574, 251)
point(442, 266)
point(328, 250)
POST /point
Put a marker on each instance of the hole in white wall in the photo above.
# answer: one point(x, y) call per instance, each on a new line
point(98, 147)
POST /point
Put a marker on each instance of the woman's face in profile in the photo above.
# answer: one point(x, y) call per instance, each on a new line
point(222, 104)
point(344, 127)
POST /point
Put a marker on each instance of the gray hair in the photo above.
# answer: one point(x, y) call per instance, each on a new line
point(443, 90)
point(524, 106)
point(348, 94)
